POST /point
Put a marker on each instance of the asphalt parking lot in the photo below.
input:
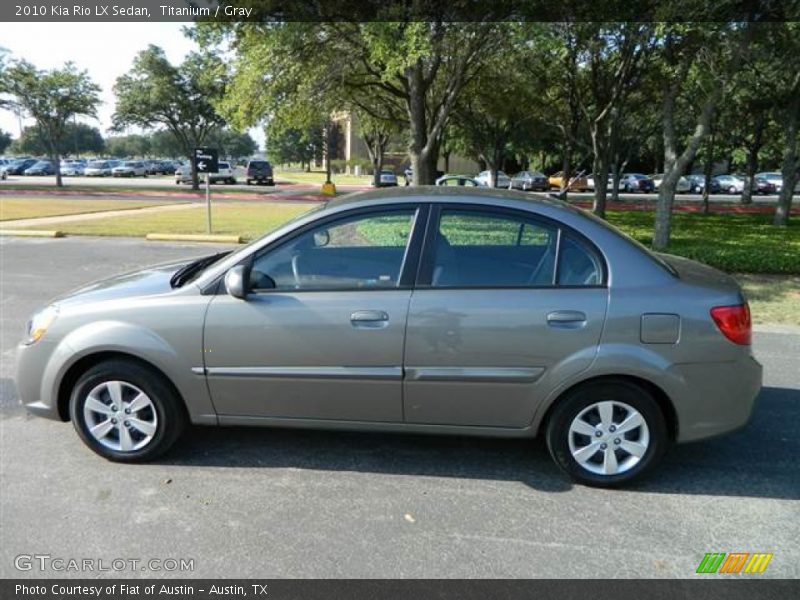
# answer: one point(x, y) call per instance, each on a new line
point(276, 503)
point(162, 180)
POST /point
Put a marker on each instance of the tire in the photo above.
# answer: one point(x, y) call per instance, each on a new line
point(731, 190)
point(163, 417)
point(584, 401)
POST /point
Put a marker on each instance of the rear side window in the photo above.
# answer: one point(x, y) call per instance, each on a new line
point(480, 248)
point(484, 249)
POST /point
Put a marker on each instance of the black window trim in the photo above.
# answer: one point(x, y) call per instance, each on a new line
point(408, 268)
point(426, 265)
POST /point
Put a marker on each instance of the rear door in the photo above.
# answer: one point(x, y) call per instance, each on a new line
point(506, 306)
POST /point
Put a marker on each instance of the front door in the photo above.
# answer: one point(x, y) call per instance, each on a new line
point(507, 306)
point(321, 334)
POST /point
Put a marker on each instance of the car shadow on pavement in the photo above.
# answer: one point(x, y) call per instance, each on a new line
point(759, 461)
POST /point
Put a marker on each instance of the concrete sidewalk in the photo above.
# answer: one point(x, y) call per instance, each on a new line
point(35, 222)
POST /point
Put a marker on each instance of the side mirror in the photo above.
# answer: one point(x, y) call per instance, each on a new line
point(321, 238)
point(237, 281)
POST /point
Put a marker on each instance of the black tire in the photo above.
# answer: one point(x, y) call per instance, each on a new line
point(170, 413)
point(570, 406)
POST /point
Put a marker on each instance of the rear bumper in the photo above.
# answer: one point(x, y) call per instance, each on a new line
point(717, 398)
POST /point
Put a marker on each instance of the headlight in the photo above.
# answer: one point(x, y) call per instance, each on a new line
point(39, 323)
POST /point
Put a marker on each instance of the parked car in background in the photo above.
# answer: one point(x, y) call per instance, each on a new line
point(224, 174)
point(183, 174)
point(528, 181)
point(636, 182)
point(683, 186)
point(763, 186)
point(530, 321)
point(72, 168)
point(98, 168)
point(456, 180)
point(576, 183)
point(259, 171)
point(167, 167)
point(732, 184)
point(18, 166)
point(590, 183)
point(42, 167)
point(387, 178)
point(697, 182)
point(483, 178)
point(130, 168)
point(775, 179)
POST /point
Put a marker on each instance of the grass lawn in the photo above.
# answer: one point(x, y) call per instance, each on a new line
point(735, 243)
point(318, 177)
point(773, 298)
point(29, 208)
point(246, 220)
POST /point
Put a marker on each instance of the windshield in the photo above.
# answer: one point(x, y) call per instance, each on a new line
point(95, 164)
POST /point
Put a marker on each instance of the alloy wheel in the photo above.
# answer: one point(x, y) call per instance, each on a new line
point(608, 437)
point(120, 416)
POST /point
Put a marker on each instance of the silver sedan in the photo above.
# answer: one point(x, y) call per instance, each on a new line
point(430, 310)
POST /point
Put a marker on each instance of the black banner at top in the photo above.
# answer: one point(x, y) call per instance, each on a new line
point(399, 10)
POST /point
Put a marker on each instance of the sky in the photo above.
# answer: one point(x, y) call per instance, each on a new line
point(105, 50)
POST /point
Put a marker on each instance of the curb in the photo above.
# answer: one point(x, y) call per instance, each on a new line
point(31, 233)
point(192, 237)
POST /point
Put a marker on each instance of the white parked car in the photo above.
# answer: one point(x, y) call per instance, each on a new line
point(590, 183)
point(130, 168)
point(72, 168)
point(774, 178)
point(503, 180)
point(684, 186)
point(730, 184)
point(98, 168)
point(224, 174)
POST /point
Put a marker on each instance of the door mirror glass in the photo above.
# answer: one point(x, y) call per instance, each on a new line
point(236, 281)
point(321, 238)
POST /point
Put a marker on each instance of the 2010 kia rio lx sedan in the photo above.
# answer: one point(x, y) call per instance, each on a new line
point(437, 310)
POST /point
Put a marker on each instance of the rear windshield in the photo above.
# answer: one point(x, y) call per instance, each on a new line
point(96, 164)
point(224, 165)
point(259, 164)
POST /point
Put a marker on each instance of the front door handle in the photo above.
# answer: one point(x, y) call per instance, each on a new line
point(566, 319)
point(369, 319)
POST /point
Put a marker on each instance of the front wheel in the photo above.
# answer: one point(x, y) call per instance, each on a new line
point(731, 190)
point(607, 433)
point(126, 412)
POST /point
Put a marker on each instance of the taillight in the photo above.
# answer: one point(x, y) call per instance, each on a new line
point(734, 322)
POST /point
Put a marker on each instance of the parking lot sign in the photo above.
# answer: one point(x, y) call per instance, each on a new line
point(206, 160)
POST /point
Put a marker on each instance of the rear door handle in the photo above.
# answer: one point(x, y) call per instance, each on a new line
point(369, 319)
point(566, 319)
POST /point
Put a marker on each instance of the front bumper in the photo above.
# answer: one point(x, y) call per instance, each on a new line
point(35, 381)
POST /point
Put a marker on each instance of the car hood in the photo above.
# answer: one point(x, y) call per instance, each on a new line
point(147, 282)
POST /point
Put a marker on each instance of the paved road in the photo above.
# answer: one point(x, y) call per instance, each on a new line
point(274, 503)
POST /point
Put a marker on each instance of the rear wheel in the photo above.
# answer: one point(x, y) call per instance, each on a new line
point(126, 412)
point(732, 190)
point(607, 433)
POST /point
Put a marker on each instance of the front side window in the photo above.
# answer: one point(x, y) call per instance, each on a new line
point(359, 252)
point(485, 249)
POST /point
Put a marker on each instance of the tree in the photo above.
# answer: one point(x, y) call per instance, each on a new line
point(5, 140)
point(422, 66)
point(614, 55)
point(78, 138)
point(52, 99)
point(128, 146)
point(179, 98)
point(785, 38)
point(231, 143)
point(694, 62)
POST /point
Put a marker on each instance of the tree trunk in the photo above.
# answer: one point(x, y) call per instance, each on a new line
point(790, 163)
point(707, 172)
point(566, 166)
point(57, 166)
point(675, 165)
point(600, 174)
point(752, 158)
point(195, 175)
